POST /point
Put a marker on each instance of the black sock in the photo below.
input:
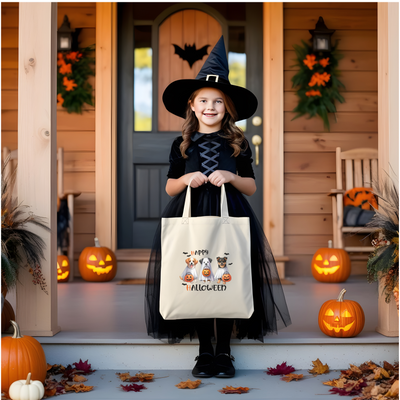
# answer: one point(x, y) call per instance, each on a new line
point(205, 331)
point(224, 332)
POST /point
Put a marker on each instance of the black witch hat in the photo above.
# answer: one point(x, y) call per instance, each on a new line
point(214, 74)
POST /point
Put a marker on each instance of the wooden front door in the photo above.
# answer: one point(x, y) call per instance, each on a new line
point(147, 62)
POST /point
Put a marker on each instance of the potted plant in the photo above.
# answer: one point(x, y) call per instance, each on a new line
point(20, 248)
point(383, 263)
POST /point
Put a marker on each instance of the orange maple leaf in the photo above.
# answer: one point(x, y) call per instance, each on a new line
point(311, 93)
point(66, 69)
point(319, 79)
point(324, 62)
point(310, 61)
point(69, 84)
point(60, 60)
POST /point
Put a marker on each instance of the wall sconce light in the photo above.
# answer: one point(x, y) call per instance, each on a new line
point(64, 36)
point(321, 36)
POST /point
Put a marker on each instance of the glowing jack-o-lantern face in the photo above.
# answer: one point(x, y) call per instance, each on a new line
point(330, 265)
point(189, 278)
point(206, 272)
point(63, 269)
point(341, 318)
point(97, 264)
point(226, 277)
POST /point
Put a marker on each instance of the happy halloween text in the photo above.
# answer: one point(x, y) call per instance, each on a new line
point(206, 288)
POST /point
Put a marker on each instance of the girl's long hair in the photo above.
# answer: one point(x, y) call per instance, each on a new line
point(232, 133)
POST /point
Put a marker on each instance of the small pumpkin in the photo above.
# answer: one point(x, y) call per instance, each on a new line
point(26, 389)
point(63, 268)
point(19, 356)
point(226, 277)
point(6, 316)
point(97, 264)
point(189, 278)
point(206, 272)
point(341, 318)
point(331, 265)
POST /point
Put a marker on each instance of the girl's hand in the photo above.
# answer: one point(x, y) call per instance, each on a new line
point(197, 179)
point(219, 177)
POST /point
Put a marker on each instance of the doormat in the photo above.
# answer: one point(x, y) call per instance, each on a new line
point(132, 282)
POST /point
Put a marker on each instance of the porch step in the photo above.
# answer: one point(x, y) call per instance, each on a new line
point(298, 350)
point(107, 386)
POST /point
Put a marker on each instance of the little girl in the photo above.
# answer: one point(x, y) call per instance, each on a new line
point(213, 151)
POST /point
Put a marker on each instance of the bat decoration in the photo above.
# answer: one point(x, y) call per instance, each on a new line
point(230, 263)
point(227, 254)
point(190, 53)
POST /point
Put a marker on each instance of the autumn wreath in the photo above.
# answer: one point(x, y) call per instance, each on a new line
point(73, 71)
point(316, 82)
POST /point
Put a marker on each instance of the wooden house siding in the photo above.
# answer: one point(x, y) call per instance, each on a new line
point(75, 132)
point(309, 150)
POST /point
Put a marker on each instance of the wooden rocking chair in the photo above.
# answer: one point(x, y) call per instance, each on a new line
point(360, 169)
point(69, 195)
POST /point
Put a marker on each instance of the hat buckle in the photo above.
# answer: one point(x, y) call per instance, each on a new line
point(215, 76)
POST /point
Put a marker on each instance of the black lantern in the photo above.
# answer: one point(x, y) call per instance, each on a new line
point(321, 36)
point(64, 36)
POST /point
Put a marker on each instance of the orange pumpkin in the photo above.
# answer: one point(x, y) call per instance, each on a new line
point(7, 314)
point(19, 356)
point(360, 197)
point(341, 318)
point(331, 265)
point(226, 277)
point(97, 264)
point(189, 278)
point(206, 272)
point(63, 269)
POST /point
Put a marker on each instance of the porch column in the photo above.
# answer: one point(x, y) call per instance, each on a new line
point(388, 128)
point(273, 131)
point(37, 155)
point(106, 17)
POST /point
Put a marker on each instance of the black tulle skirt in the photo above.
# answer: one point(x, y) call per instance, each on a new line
point(270, 309)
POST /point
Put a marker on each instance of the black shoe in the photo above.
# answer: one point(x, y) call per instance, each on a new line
point(223, 367)
point(204, 366)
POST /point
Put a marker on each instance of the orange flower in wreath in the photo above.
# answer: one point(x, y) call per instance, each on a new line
point(319, 79)
point(60, 60)
point(324, 62)
point(66, 69)
point(311, 93)
point(74, 56)
point(310, 61)
point(60, 100)
point(69, 84)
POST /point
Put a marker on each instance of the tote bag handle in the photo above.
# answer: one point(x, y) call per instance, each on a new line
point(187, 208)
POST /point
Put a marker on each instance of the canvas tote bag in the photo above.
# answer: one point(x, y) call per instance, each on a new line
point(205, 265)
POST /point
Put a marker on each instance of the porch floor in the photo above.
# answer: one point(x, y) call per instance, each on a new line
point(111, 313)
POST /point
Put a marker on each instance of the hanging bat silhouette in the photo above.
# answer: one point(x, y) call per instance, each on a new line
point(227, 254)
point(190, 53)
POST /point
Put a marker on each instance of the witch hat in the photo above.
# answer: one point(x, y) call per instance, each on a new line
point(214, 74)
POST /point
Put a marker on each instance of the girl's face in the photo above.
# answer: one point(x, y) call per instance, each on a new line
point(209, 108)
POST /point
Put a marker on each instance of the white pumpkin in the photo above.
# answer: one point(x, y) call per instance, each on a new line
point(26, 389)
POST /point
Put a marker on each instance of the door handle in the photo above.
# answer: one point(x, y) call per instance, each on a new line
point(256, 140)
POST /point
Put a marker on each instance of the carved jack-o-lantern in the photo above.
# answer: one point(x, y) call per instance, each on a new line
point(97, 264)
point(341, 318)
point(226, 277)
point(63, 269)
point(206, 272)
point(330, 265)
point(189, 278)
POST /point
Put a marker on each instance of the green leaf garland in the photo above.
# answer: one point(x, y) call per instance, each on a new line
point(317, 82)
point(73, 71)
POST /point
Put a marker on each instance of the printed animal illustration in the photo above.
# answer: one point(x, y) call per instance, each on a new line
point(222, 273)
point(190, 269)
point(206, 274)
point(190, 53)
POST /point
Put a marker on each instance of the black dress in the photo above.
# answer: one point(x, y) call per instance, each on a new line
point(207, 153)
